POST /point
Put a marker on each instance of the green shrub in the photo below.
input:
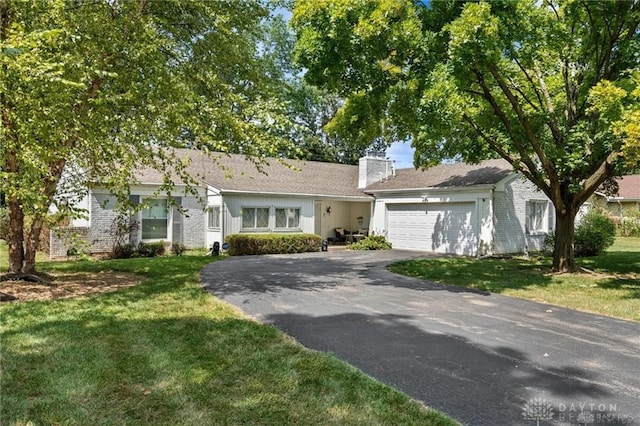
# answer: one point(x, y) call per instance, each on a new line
point(178, 249)
point(372, 242)
point(151, 249)
point(595, 233)
point(248, 244)
point(123, 251)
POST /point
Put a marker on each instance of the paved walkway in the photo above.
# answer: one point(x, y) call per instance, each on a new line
point(484, 359)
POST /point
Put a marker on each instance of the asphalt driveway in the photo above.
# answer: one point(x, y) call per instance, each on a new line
point(484, 359)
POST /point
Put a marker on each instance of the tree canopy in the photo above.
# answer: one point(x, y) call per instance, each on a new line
point(309, 108)
point(92, 91)
point(551, 86)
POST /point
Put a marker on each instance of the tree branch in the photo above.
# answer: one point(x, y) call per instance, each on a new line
point(532, 175)
point(524, 155)
point(553, 123)
point(593, 182)
point(530, 79)
point(533, 141)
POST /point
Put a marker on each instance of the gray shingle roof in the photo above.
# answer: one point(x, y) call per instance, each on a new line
point(233, 172)
point(446, 176)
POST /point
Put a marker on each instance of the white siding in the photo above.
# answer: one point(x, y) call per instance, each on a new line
point(510, 220)
point(233, 204)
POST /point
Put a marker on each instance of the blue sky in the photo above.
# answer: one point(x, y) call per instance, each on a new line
point(402, 153)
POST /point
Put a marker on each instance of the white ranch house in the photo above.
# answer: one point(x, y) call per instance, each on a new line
point(471, 210)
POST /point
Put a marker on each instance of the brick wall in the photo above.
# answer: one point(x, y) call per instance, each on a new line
point(62, 239)
point(194, 226)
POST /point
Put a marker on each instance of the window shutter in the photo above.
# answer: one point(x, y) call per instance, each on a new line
point(552, 217)
point(527, 217)
point(133, 235)
point(178, 219)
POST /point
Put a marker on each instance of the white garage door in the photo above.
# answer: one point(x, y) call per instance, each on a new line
point(436, 227)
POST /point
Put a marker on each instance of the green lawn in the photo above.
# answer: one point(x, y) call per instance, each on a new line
point(166, 352)
point(612, 289)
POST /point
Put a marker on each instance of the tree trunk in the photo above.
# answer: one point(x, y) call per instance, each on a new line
point(16, 236)
point(563, 252)
point(31, 244)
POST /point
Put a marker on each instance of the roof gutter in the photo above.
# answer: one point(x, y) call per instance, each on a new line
point(482, 187)
point(291, 194)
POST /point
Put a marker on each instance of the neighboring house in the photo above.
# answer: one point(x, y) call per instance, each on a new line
point(464, 209)
point(627, 202)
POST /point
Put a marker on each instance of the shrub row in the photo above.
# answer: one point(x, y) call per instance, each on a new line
point(248, 244)
point(126, 251)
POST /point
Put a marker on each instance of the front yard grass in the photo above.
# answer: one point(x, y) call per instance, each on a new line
point(167, 352)
point(612, 289)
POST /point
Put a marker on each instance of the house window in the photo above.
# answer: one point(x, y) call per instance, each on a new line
point(155, 220)
point(255, 217)
point(287, 218)
point(536, 216)
point(213, 217)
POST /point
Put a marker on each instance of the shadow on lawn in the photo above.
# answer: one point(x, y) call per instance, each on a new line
point(103, 369)
point(471, 382)
point(485, 275)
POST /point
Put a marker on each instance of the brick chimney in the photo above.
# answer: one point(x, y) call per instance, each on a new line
point(374, 168)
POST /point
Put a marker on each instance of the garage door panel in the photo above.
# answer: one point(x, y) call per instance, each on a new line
point(436, 227)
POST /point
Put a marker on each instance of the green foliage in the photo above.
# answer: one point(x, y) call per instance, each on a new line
point(249, 244)
point(4, 224)
point(154, 249)
point(110, 87)
point(551, 87)
point(371, 242)
point(595, 233)
point(178, 249)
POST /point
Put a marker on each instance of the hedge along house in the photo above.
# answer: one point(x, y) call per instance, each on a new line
point(461, 209)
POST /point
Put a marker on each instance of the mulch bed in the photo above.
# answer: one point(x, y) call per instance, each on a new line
point(66, 285)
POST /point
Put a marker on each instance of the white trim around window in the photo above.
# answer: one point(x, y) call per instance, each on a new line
point(287, 218)
point(213, 217)
point(155, 220)
point(537, 220)
point(255, 218)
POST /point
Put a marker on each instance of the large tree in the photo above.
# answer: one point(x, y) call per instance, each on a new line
point(309, 108)
point(92, 90)
point(550, 86)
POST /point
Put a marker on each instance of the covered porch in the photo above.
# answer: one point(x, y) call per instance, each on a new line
point(350, 217)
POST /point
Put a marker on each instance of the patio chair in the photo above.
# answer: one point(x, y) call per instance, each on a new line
point(341, 236)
